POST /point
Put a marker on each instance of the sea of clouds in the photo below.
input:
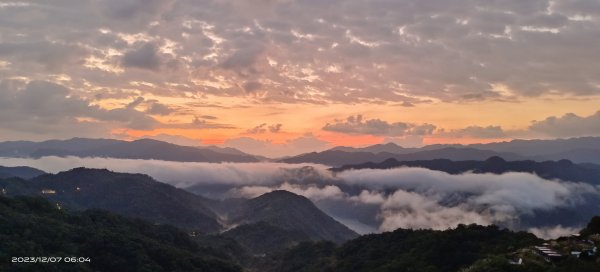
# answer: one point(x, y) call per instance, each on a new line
point(367, 200)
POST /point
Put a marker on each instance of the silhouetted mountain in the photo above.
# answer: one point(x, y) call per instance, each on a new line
point(23, 172)
point(98, 240)
point(578, 150)
point(563, 169)
point(289, 211)
point(379, 148)
point(542, 147)
point(133, 195)
point(138, 149)
point(339, 158)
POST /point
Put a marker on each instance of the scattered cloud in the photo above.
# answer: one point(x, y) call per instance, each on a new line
point(358, 125)
point(489, 132)
point(264, 128)
point(143, 57)
point(403, 52)
point(157, 108)
point(303, 144)
point(569, 125)
point(50, 110)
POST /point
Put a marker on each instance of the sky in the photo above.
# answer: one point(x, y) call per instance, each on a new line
point(283, 77)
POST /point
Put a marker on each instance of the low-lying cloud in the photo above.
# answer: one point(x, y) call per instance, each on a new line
point(385, 200)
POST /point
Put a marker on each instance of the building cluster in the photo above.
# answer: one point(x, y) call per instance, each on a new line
point(548, 253)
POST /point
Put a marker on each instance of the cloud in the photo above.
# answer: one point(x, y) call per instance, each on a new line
point(402, 52)
point(50, 56)
point(569, 125)
point(275, 128)
point(296, 52)
point(144, 57)
point(303, 144)
point(553, 232)
point(489, 132)
point(410, 210)
point(264, 128)
point(157, 108)
point(258, 129)
point(358, 125)
point(252, 86)
point(47, 109)
point(313, 192)
point(380, 199)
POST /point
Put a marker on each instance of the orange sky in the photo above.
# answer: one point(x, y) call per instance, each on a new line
point(298, 76)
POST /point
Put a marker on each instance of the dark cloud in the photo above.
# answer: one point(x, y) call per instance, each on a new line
point(159, 109)
point(358, 125)
point(569, 125)
point(144, 57)
point(264, 128)
point(208, 117)
point(489, 132)
point(50, 56)
point(48, 109)
point(252, 86)
point(275, 128)
point(377, 51)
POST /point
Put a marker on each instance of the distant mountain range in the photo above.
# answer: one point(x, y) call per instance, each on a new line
point(23, 172)
point(135, 195)
point(339, 158)
point(138, 149)
point(564, 169)
point(578, 150)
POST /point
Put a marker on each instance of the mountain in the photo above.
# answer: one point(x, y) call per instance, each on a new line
point(578, 150)
point(378, 148)
point(132, 195)
point(564, 169)
point(264, 238)
point(542, 147)
point(138, 149)
point(339, 158)
point(289, 211)
point(23, 172)
point(98, 240)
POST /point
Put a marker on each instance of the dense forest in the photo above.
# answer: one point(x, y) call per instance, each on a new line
point(36, 227)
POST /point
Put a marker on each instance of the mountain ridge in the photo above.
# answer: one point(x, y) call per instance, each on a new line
point(110, 148)
point(289, 211)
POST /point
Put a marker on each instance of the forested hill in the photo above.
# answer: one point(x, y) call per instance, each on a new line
point(134, 195)
point(107, 242)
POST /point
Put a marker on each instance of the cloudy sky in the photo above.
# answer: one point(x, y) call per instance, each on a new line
point(280, 77)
